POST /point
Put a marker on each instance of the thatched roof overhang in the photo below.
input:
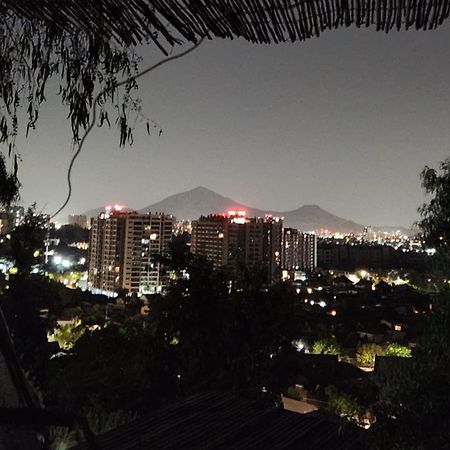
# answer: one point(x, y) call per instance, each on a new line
point(260, 21)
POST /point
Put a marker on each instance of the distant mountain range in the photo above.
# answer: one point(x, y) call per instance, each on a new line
point(202, 201)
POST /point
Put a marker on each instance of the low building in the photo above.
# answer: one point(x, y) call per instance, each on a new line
point(374, 256)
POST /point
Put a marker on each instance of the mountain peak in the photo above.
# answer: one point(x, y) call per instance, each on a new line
point(194, 203)
point(202, 189)
point(311, 207)
point(201, 201)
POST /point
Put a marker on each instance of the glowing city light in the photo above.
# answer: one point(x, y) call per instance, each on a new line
point(238, 213)
point(115, 207)
point(299, 345)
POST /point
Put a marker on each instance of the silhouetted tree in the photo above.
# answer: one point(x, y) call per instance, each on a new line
point(9, 184)
point(118, 367)
point(179, 252)
point(68, 234)
point(412, 411)
point(435, 222)
point(27, 305)
point(224, 337)
point(26, 243)
point(201, 335)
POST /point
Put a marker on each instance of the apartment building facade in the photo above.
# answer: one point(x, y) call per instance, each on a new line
point(124, 250)
point(299, 250)
point(234, 240)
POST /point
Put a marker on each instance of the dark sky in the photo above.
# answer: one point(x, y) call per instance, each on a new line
point(346, 121)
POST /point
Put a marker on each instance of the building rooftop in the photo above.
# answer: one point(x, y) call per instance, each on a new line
point(215, 421)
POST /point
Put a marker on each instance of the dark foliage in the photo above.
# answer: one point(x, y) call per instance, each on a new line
point(26, 243)
point(178, 256)
point(31, 304)
point(201, 335)
point(224, 337)
point(26, 303)
point(118, 367)
point(412, 412)
point(179, 252)
point(88, 68)
point(69, 234)
point(9, 184)
point(435, 222)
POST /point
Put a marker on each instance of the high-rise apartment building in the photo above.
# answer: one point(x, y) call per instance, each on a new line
point(123, 247)
point(234, 239)
point(299, 250)
point(79, 220)
point(308, 243)
point(208, 239)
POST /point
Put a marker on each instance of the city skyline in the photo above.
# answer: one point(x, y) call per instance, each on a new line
point(335, 113)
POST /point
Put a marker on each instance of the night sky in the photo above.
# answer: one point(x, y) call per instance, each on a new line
point(346, 121)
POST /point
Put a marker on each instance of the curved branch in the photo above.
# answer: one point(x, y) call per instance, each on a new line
point(94, 115)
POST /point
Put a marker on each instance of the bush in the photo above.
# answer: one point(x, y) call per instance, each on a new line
point(342, 404)
point(100, 421)
point(66, 335)
point(400, 351)
point(366, 354)
point(326, 346)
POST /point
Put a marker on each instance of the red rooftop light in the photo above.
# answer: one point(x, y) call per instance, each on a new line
point(238, 213)
point(115, 207)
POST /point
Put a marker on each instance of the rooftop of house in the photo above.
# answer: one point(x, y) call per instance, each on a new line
point(211, 420)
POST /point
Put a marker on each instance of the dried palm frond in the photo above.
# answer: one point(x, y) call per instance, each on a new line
point(262, 21)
